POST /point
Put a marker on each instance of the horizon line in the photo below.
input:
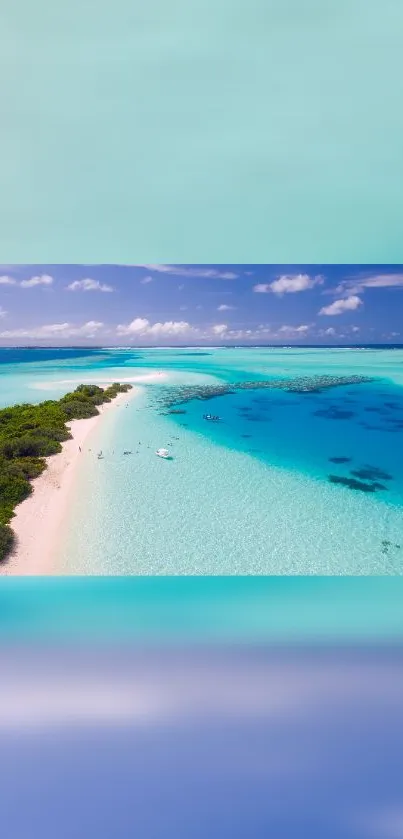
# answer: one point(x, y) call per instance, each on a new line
point(198, 346)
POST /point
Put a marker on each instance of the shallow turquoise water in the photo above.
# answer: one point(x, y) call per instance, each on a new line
point(248, 495)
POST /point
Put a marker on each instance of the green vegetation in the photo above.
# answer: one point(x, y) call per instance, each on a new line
point(28, 434)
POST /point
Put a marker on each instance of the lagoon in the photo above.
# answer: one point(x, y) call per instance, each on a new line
point(286, 483)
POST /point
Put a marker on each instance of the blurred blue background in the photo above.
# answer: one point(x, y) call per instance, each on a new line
point(201, 707)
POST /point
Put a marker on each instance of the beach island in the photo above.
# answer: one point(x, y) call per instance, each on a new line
point(31, 509)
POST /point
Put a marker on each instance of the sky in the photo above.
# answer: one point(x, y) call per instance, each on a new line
point(157, 305)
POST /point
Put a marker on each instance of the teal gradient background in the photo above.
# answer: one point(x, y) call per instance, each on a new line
point(209, 130)
point(194, 610)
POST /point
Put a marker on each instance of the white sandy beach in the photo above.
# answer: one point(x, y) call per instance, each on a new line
point(38, 519)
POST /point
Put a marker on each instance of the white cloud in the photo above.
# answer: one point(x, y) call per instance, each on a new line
point(348, 304)
point(137, 326)
point(185, 271)
point(246, 334)
point(224, 308)
point(262, 288)
point(56, 331)
point(89, 285)
point(237, 334)
point(44, 279)
point(355, 328)
point(383, 281)
point(219, 329)
point(289, 284)
point(2, 312)
point(330, 331)
point(170, 328)
point(146, 280)
point(355, 285)
point(8, 281)
point(294, 330)
point(143, 327)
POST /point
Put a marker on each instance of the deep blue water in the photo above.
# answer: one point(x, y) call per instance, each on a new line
point(28, 355)
point(353, 429)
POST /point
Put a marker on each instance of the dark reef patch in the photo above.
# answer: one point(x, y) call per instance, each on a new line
point(397, 422)
point(386, 545)
point(371, 473)
point(340, 459)
point(170, 396)
point(261, 400)
point(352, 483)
point(374, 427)
point(391, 428)
point(333, 413)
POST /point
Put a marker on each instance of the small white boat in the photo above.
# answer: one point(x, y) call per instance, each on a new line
point(162, 453)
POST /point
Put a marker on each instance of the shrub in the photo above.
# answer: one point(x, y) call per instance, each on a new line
point(30, 446)
point(7, 540)
point(28, 434)
point(79, 409)
point(92, 392)
point(31, 467)
point(13, 489)
point(6, 513)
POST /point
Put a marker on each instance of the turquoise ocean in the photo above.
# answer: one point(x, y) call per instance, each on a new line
point(287, 482)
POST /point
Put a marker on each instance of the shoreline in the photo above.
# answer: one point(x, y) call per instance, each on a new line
point(38, 519)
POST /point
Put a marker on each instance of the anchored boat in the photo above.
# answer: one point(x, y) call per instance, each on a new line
point(162, 453)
